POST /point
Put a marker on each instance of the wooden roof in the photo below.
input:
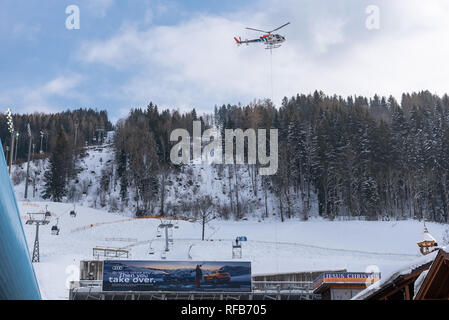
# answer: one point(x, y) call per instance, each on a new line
point(436, 283)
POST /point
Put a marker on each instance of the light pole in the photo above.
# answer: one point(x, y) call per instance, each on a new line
point(17, 149)
point(11, 130)
point(7, 152)
point(28, 164)
point(42, 138)
point(76, 135)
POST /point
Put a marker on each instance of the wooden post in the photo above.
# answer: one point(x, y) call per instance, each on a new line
point(407, 292)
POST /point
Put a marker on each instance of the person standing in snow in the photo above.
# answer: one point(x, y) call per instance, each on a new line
point(198, 277)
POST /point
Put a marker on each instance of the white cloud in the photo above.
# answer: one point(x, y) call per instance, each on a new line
point(28, 32)
point(42, 98)
point(99, 7)
point(196, 63)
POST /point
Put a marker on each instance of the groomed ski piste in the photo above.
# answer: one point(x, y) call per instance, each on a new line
point(272, 247)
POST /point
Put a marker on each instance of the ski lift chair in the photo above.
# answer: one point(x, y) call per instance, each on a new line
point(73, 214)
point(159, 233)
point(152, 251)
point(55, 230)
point(47, 214)
point(177, 224)
point(163, 255)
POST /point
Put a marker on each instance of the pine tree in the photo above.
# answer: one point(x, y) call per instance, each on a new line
point(56, 175)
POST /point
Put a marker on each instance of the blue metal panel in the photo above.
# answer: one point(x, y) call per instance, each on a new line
point(17, 277)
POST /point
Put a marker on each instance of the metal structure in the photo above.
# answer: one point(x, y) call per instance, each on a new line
point(190, 249)
point(55, 229)
point(121, 240)
point(42, 138)
point(17, 146)
point(108, 253)
point(93, 290)
point(237, 250)
point(76, 125)
point(11, 131)
point(73, 212)
point(100, 133)
point(166, 226)
point(90, 287)
point(151, 250)
point(29, 159)
point(37, 219)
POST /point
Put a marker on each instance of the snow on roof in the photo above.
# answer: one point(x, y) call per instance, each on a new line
point(405, 270)
point(419, 282)
point(427, 236)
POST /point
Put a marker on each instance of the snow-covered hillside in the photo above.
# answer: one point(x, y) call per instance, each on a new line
point(273, 247)
point(182, 188)
point(292, 246)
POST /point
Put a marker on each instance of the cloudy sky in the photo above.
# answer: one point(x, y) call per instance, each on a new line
point(181, 54)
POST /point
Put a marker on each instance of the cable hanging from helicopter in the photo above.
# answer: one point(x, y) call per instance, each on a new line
point(272, 41)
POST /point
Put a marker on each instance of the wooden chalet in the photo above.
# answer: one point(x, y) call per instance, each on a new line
point(427, 279)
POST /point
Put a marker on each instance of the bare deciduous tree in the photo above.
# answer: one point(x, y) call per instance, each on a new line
point(206, 211)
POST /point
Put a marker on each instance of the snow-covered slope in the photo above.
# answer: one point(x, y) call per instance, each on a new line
point(292, 246)
point(273, 247)
point(182, 188)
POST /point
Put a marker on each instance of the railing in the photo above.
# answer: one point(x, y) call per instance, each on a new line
point(283, 286)
point(263, 290)
point(258, 286)
point(86, 284)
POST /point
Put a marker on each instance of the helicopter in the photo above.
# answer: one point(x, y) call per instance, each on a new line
point(273, 41)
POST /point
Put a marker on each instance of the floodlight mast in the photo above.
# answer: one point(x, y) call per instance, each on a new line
point(29, 158)
point(42, 138)
point(11, 131)
point(17, 146)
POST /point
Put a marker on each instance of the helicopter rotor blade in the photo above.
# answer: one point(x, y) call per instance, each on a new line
point(280, 27)
point(257, 30)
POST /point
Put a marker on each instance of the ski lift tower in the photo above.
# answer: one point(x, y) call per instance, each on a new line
point(100, 132)
point(166, 226)
point(37, 219)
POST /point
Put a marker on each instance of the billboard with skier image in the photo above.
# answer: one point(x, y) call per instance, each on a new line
point(177, 276)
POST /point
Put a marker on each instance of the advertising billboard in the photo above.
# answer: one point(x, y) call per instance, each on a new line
point(177, 276)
